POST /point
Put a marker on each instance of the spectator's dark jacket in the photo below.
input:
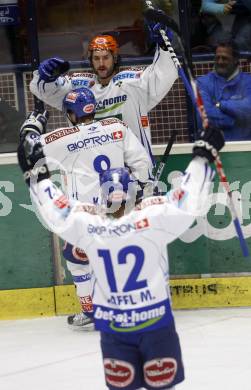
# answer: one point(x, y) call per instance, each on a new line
point(234, 96)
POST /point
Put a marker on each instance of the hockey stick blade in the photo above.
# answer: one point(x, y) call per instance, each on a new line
point(153, 15)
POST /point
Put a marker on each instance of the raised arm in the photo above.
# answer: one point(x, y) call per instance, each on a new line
point(50, 85)
point(192, 196)
point(158, 78)
point(213, 7)
point(54, 209)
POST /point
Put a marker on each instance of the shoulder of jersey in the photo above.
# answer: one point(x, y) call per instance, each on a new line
point(84, 79)
point(85, 75)
point(89, 208)
point(111, 121)
point(59, 133)
point(134, 69)
point(151, 201)
point(128, 74)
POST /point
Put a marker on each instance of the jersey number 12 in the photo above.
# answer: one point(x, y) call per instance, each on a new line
point(132, 282)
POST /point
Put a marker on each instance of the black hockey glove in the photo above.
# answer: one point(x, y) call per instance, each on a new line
point(158, 16)
point(49, 70)
point(155, 35)
point(211, 141)
point(31, 159)
point(34, 123)
point(154, 21)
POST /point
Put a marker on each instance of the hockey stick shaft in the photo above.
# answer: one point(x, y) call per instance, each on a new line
point(34, 46)
point(164, 158)
point(197, 101)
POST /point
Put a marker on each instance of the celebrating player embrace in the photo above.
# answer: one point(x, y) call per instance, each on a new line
point(125, 94)
point(126, 247)
point(83, 151)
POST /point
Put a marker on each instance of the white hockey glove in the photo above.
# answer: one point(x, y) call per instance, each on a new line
point(211, 141)
point(35, 123)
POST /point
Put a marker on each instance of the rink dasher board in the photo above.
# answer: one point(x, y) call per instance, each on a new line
point(186, 294)
point(158, 150)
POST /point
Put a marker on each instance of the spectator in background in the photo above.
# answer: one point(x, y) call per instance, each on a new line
point(231, 17)
point(217, 7)
point(226, 92)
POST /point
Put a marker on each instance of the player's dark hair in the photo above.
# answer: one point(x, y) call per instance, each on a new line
point(81, 119)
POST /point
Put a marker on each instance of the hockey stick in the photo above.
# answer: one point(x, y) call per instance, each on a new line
point(159, 18)
point(33, 37)
point(196, 98)
point(164, 158)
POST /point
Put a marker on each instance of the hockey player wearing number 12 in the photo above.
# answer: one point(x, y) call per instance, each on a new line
point(82, 151)
point(140, 346)
point(128, 94)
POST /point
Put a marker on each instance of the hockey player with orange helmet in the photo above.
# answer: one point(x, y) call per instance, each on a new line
point(103, 55)
point(126, 94)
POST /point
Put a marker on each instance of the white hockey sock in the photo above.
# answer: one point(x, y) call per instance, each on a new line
point(82, 280)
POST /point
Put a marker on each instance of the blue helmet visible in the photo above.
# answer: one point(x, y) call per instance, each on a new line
point(80, 101)
point(117, 187)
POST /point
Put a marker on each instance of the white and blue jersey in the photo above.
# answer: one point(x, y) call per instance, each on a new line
point(82, 152)
point(128, 255)
point(129, 96)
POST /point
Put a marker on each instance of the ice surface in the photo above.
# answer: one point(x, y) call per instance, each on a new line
point(44, 354)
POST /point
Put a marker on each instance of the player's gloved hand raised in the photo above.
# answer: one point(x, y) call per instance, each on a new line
point(31, 159)
point(155, 35)
point(49, 70)
point(156, 20)
point(36, 123)
point(211, 141)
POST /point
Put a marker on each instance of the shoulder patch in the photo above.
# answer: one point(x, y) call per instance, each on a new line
point(82, 80)
point(87, 208)
point(55, 135)
point(152, 201)
point(135, 68)
point(110, 121)
point(84, 74)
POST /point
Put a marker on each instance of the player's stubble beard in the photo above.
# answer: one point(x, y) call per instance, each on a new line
point(105, 79)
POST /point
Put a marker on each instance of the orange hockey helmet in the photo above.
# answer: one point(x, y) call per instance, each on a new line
point(103, 42)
